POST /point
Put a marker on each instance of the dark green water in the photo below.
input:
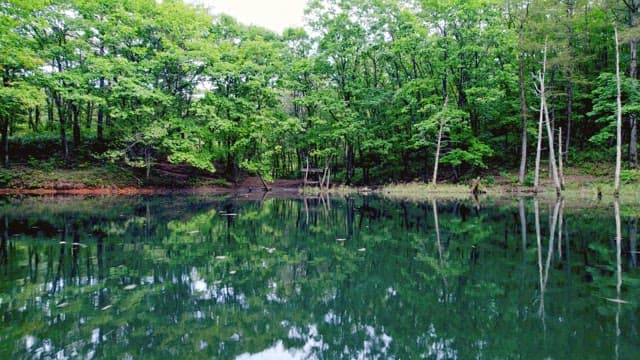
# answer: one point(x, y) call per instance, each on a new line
point(357, 278)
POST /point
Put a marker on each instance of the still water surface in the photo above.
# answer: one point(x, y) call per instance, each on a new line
point(341, 278)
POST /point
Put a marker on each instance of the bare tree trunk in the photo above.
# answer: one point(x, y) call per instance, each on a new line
point(536, 174)
point(523, 109)
point(543, 100)
point(541, 75)
point(147, 160)
point(560, 165)
point(569, 120)
point(616, 190)
point(264, 184)
point(552, 156)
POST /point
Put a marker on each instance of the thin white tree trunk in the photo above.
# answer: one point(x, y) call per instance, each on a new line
point(536, 178)
point(560, 165)
point(616, 191)
point(552, 156)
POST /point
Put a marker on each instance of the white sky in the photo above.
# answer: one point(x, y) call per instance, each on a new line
point(275, 15)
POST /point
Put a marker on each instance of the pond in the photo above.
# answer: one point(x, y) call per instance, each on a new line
point(317, 278)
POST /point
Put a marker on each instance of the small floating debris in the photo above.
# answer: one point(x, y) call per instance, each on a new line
point(130, 287)
point(63, 304)
point(235, 337)
point(220, 257)
point(229, 214)
point(341, 239)
point(618, 301)
point(362, 249)
point(217, 282)
point(232, 272)
point(194, 232)
point(106, 307)
point(79, 244)
point(62, 242)
point(271, 250)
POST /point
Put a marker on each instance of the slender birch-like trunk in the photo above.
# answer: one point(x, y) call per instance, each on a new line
point(616, 191)
point(560, 164)
point(552, 156)
point(536, 177)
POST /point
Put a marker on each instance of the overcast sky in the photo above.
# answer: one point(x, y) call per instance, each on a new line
point(275, 15)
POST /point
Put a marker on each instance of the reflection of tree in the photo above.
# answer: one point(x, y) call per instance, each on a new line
point(633, 242)
point(161, 283)
point(618, 298)
point(544, 274)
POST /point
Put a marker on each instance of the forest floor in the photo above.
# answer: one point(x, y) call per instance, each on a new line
point(584, 181)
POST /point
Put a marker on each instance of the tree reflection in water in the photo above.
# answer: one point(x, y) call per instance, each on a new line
point(357, 277)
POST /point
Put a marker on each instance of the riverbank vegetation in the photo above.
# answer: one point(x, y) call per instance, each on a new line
point(377, 91)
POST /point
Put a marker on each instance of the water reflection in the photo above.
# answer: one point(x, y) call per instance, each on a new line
point(355, 277)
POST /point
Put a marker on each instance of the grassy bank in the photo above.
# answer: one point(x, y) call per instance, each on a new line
point(581, 182)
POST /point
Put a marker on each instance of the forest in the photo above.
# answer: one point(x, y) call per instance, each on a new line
point(378, 91)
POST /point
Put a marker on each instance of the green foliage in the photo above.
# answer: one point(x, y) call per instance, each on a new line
point(143, 81)
point(5, 177)
point(488, 180)
point(529, 179)
point(630, 176)
point(604, 107)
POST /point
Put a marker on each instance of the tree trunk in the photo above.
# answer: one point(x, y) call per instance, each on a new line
point(633, 141)
point(560, 164)
point(63, 127)
point(616, 190)
point(89, 119)
point(633, 73)
point(49, 113)
point(36, 119)
point(147, 160)
point(4, 130)
point(569, 119)
point(536, 177)
point(545, 111)
point(633, 243)
point(264, 184)
point(523, 109)
point(349, 163)
point(552, 156)
point(76, 126)
point(100, 119)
